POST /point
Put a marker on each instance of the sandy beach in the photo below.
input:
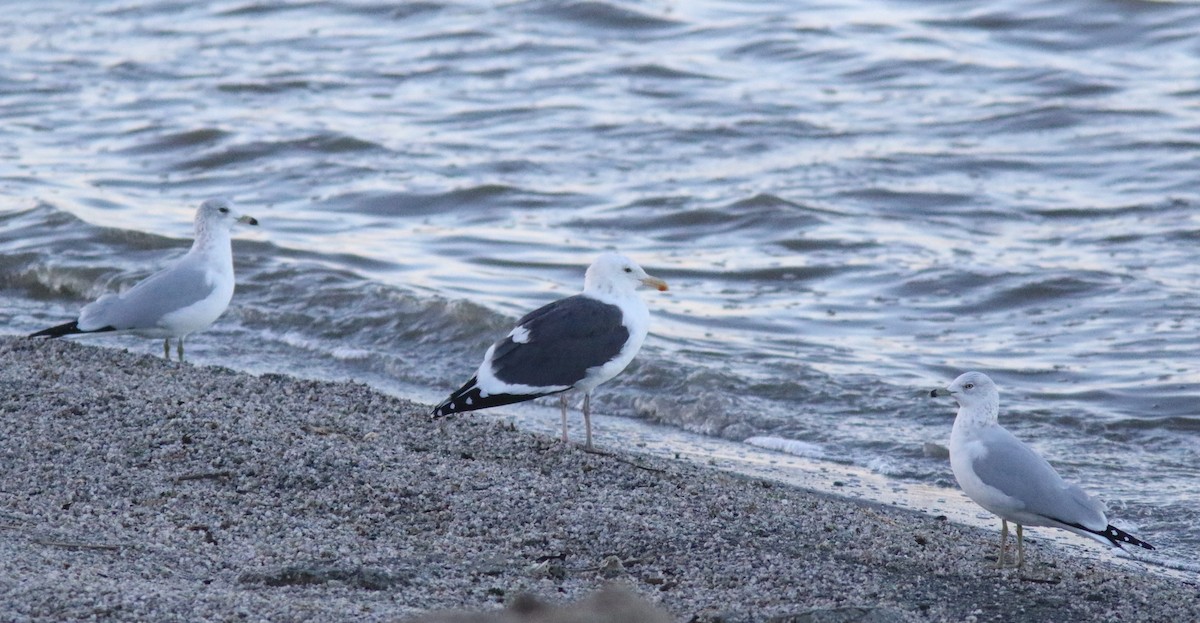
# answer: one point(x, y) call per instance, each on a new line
point(135, 489)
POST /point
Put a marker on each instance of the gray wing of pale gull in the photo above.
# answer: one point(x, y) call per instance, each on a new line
point(1020, 473)
point(144, 305)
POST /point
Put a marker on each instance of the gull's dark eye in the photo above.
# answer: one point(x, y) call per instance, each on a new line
point(968, 386)
point(628, 269)
point(223, 210)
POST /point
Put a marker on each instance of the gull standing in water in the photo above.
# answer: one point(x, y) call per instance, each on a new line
point(178, 300)
point(1010, 480)
point(574, 343)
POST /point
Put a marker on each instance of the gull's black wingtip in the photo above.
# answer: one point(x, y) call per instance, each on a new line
point(470, 398)
point(1119, 536)
point(1115, 536)
point(67, 328)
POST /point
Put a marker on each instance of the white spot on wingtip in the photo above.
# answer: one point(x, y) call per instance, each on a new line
point(468, 401)
point(520, 335)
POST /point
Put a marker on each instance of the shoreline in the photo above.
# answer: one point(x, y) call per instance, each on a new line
point(137, 489)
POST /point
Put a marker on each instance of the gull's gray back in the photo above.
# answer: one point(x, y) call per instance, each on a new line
point(1016, 470)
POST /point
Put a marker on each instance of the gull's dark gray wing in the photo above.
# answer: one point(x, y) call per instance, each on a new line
point(551, 349)
point(555, 345)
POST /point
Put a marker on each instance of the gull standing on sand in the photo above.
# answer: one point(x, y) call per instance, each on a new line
point(1007, 478)
point(176, 301)
point(574, 343)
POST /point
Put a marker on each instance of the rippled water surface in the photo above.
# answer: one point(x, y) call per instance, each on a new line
point(853, 202)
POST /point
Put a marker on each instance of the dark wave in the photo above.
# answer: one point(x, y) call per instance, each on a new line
point(662, 72)
point(982, 293)
point(267, 8)
point(917, 200)
point(674, 219)
point(244, 153)
point(473, 202)
point(278, 85)
point(410, 9)
point(172, 141)
point(603, 15)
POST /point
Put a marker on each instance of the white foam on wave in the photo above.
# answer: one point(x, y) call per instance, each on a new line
point(790, 446)
point(298, 340)
point(886, 466)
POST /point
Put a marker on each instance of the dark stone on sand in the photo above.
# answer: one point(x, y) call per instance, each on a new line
point(610, 605)
point(369, 578)
point(842, 615)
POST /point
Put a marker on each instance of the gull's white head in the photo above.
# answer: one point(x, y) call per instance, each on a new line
point(975, 393)
point(219, 215)
point(617, 274)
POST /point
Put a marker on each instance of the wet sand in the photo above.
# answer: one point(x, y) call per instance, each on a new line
point(141, 490)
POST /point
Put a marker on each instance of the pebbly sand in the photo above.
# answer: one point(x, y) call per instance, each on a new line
point(140, 490)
